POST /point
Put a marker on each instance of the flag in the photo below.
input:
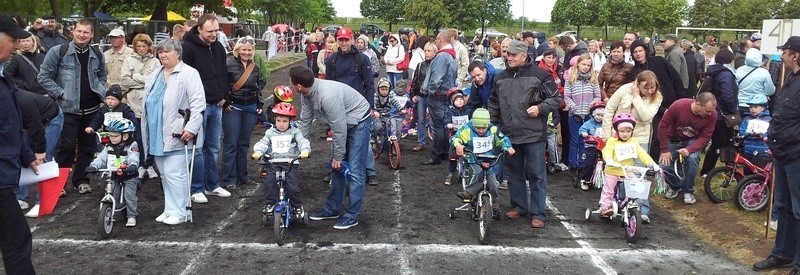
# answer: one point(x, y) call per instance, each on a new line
point(50, 191)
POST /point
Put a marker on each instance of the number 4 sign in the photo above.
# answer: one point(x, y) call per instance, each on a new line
point(775, 32)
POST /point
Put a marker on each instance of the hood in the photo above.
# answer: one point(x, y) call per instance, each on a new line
point(192, 36)
point(451, 51)
point(541, 37)
point(753, 58)
point(717, 68)
point(640, 43)
point(366, 42)
point(581, 46)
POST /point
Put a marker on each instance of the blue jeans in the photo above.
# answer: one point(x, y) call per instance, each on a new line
point(393, 78)
point(437, 105)
point(528, 161)
point(787, 201)
point(575, 159)
point(422, 123)
point(356, 156)
point(237, 127)
point(690, 165)
point(51, 133)
point(205, 175)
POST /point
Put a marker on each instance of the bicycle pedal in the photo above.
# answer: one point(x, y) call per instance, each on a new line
point(466, 200)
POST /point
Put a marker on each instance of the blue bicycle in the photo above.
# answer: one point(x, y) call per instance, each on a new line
point(281, 214)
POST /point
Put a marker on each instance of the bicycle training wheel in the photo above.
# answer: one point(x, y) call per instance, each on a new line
point(394, 155)
point(632, 229)
point(105, 220)
point(752, 195)
point(279, 227)
point(721, 184)
point(484, 215)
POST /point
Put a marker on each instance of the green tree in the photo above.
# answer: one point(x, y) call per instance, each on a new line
point(389, 11)
point(750, 13)
point(790, 9)
point(570, 12)
point(431, 14)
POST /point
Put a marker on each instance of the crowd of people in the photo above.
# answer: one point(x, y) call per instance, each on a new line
point(518, 96)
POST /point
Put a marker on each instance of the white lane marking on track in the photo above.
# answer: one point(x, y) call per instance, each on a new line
point(398, 205)
point(53, 216)
point(191, 268)
point(587, 248)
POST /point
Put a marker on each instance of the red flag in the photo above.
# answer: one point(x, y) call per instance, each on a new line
point(50, 191)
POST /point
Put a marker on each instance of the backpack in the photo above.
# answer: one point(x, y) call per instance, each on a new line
point(62, 51)
point(707, 85)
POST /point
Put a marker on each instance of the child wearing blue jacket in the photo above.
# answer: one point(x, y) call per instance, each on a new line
point(591, 131)
point(456, 117)
point(754, 129)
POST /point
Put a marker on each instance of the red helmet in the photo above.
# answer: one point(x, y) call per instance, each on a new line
point(284, 109)
point(283, 93)
point(623, 117)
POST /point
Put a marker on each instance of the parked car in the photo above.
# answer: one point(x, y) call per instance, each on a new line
point(369, 29)
point(331, 29)
point(491, 33)
point(405, 31)
point(574, 33)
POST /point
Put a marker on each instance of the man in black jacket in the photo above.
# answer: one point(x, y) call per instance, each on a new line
point(202, 52)
point(571, 49)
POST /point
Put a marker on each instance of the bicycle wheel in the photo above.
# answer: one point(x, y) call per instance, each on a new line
point(632, 229)
point(376, 151)
point(678, 168)
point(752, 195)
point(484, 215)
point(278, 225)
point(105, 220)
point(394, 154)
point(721, 184)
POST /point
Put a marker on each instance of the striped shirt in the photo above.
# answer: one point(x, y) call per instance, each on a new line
point(579, 95)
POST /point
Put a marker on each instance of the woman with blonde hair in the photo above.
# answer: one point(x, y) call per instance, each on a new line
point(328, 49)
point(580, 91)
point(24, 66)
point(134, 72)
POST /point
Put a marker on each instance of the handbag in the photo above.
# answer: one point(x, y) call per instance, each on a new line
point(402, 66)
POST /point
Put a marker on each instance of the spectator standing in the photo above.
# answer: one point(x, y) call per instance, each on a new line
point(178, 31)
point(362, 44)
point(724, 88)
point(421, 99)
point(395, 54)
point(615, 72)
point(541, 37)
point(598, 56)
point(628, 39)
point(201, 51)
point(741, 51)
point(24, 66)
point(134, 73)
point(752, 80)
point(441, 76)
point(571, 49)
point(330, 47)
point(482, 74)
point(161, 35)
point(115, 56)
point(417, 56)
point(49, 35)
point(674, 55)
point(462, 58)
point(499, 63)
point(528, 38)
point(77, 80)
point(691, 66)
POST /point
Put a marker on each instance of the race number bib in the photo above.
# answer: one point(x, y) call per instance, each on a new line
point(482, 144)
point(281, 144)
point(459, 121)
point(757, 126)
point(624, 152)
point(111, 116)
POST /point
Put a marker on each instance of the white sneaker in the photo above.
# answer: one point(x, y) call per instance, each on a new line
point(688, 198)
point(219, 191)
point(161, 217)
point(562, 167)
point(131, 222)
point(151, 173)
point(23, 204)
point(671, 193)
point(141, 172)
point(199, 198)
point(584, 185)
point(773, 225)
point(173, 220)
point(645, 219)
point(34, 212)
point(503, 185)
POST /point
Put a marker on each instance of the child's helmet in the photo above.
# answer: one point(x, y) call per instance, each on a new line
point(283, 93)
point(596, 105)
point(757, 99)
point(121, 125)
point(384, 83)
point(284, 109)
point(453, 94)
point(623, 118)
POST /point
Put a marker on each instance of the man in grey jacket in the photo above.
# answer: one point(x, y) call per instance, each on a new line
point(675, 57)
point(347, 113)
point(441, 77)
point(77, 80)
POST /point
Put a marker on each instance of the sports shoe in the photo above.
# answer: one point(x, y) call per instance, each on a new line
point(161, 217)
point(268, 209)
point(299, 212)
point(562, 167)
point(34, 212)
point(645, 219)
point(771, 262)
point(671, 193)
point(23, 204)
point(412, 132)
point(503, 185)
point(131, 222)
point(199, 198)
point(448, 181)
point(84, 188)
point(323, 215)
point(585, 185)
point(219, 191)
point(151, 173)
point(372, 180)
point(688, 198)
point(173, 220)
point(141, 172)
point(345, 223)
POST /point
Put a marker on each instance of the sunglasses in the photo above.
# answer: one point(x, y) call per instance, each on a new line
point(392, 40)
point(246, 40)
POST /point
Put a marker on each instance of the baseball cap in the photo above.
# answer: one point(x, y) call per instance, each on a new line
point(9, 27)
point(48, 17)
point(116, 33)
point(793, 43)
point(669, 37)
point(344, 33)
point(517, 47)
point(755, 37)
point(527, 34)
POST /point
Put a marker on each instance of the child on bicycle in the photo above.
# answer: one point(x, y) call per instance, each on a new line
point(283, 141)
point(457, 116)
point(479, 136)
point(621, 150)
point(754, 129)
point(592, 133)
point(399, 115)
point(121, 153)
point(384, 104)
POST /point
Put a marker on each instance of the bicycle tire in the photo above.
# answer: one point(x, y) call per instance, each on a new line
point(376, 151)
point(678, 168)
point(747, 196)
point(721, 184)
point(633, 229)
point(394, 155)
point(278, 226)
point(484, 215)
point(105, 220)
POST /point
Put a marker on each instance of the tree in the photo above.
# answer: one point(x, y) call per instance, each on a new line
point(790, 10)
point(389, 11)
point(570, 12)
point(431, 14)
point(750, 13)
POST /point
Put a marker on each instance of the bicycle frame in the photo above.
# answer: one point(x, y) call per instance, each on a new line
point(486, 162)
point(280, 179)
point(109, 196)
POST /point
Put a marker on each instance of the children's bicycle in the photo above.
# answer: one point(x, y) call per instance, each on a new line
point(482, 208)
point(722, 182)
point(385, 141)
point(753, 192)
point(111, 203)
point(597, 170)
point(282, 214)
point(625, 205)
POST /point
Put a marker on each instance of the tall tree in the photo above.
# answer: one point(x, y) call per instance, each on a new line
point(791, 9)
point(750, 13)
point(431, 14)
point(389, 11)
point(571, 12)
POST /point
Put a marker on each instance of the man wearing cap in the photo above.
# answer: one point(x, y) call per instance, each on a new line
point(755, 40)
point(14, 153)
point(522, 98)
point(116, 56)
point(674, 55)
point(349, 66)
point(784, 142)
point(441, 76)
point(77, 80)
point(49, 35)
point(528, 37)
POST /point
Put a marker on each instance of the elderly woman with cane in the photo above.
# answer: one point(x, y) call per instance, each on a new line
point(173, 117)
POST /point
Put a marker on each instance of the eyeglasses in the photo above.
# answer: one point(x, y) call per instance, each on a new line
point(246, 40)
point(392, 40)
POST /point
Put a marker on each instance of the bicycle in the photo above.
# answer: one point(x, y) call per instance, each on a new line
point(753, 193)
point(597, 174)
point(384, 140)
point(482, 209)
point(625, 204)
point(722, 183)
point(110, 204)
point(282, 214)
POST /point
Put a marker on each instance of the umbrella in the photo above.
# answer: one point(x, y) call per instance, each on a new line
point(104, 16)
point(280, 28)
point(171, 16)
point(50, 191)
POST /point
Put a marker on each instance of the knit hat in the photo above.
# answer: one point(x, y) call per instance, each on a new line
point(114, 91)
point(599, 111)
point(480, 118)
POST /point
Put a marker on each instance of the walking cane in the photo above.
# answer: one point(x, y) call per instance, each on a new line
point(186, 114)
point(772, 182)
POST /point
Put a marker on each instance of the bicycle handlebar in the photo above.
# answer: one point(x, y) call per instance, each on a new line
point(496, 158)
point(267, 161)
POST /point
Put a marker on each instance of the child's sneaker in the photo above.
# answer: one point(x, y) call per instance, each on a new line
point(585, 185)
point(299, 212)
point(141, 172)
point(448, 180)
point(503, 185)
point(606, 213)
point(131, 222)
point(562, 167)
point(268, 209)
point(465, 196)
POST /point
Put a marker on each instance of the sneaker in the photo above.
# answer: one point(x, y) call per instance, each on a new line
point(199, 198)
point(412, 132)
point(345, 223)
point(645, 219)
point(671, 193)
point(34, 212)
point(323, 215)
point(772, 225)
point(131, 222)
point(141, 172)
point(299, 212)
point(448, 181)
point(23, 204)
point(268, 209)
point(503, 185)
point(84, 188)
point(151, 173)
point(219, 191)
point(585, 185)
point(562, 167)
point(173, 220)
point(161, 217)
point(372, 180)
point(688, 198)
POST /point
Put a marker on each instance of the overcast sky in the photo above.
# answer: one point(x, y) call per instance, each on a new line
point(539, 10)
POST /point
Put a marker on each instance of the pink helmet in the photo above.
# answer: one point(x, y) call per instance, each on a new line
point(622, 118)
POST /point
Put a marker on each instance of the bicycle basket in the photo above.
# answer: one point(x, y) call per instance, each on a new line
point(727, 154)
point(636, 188)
